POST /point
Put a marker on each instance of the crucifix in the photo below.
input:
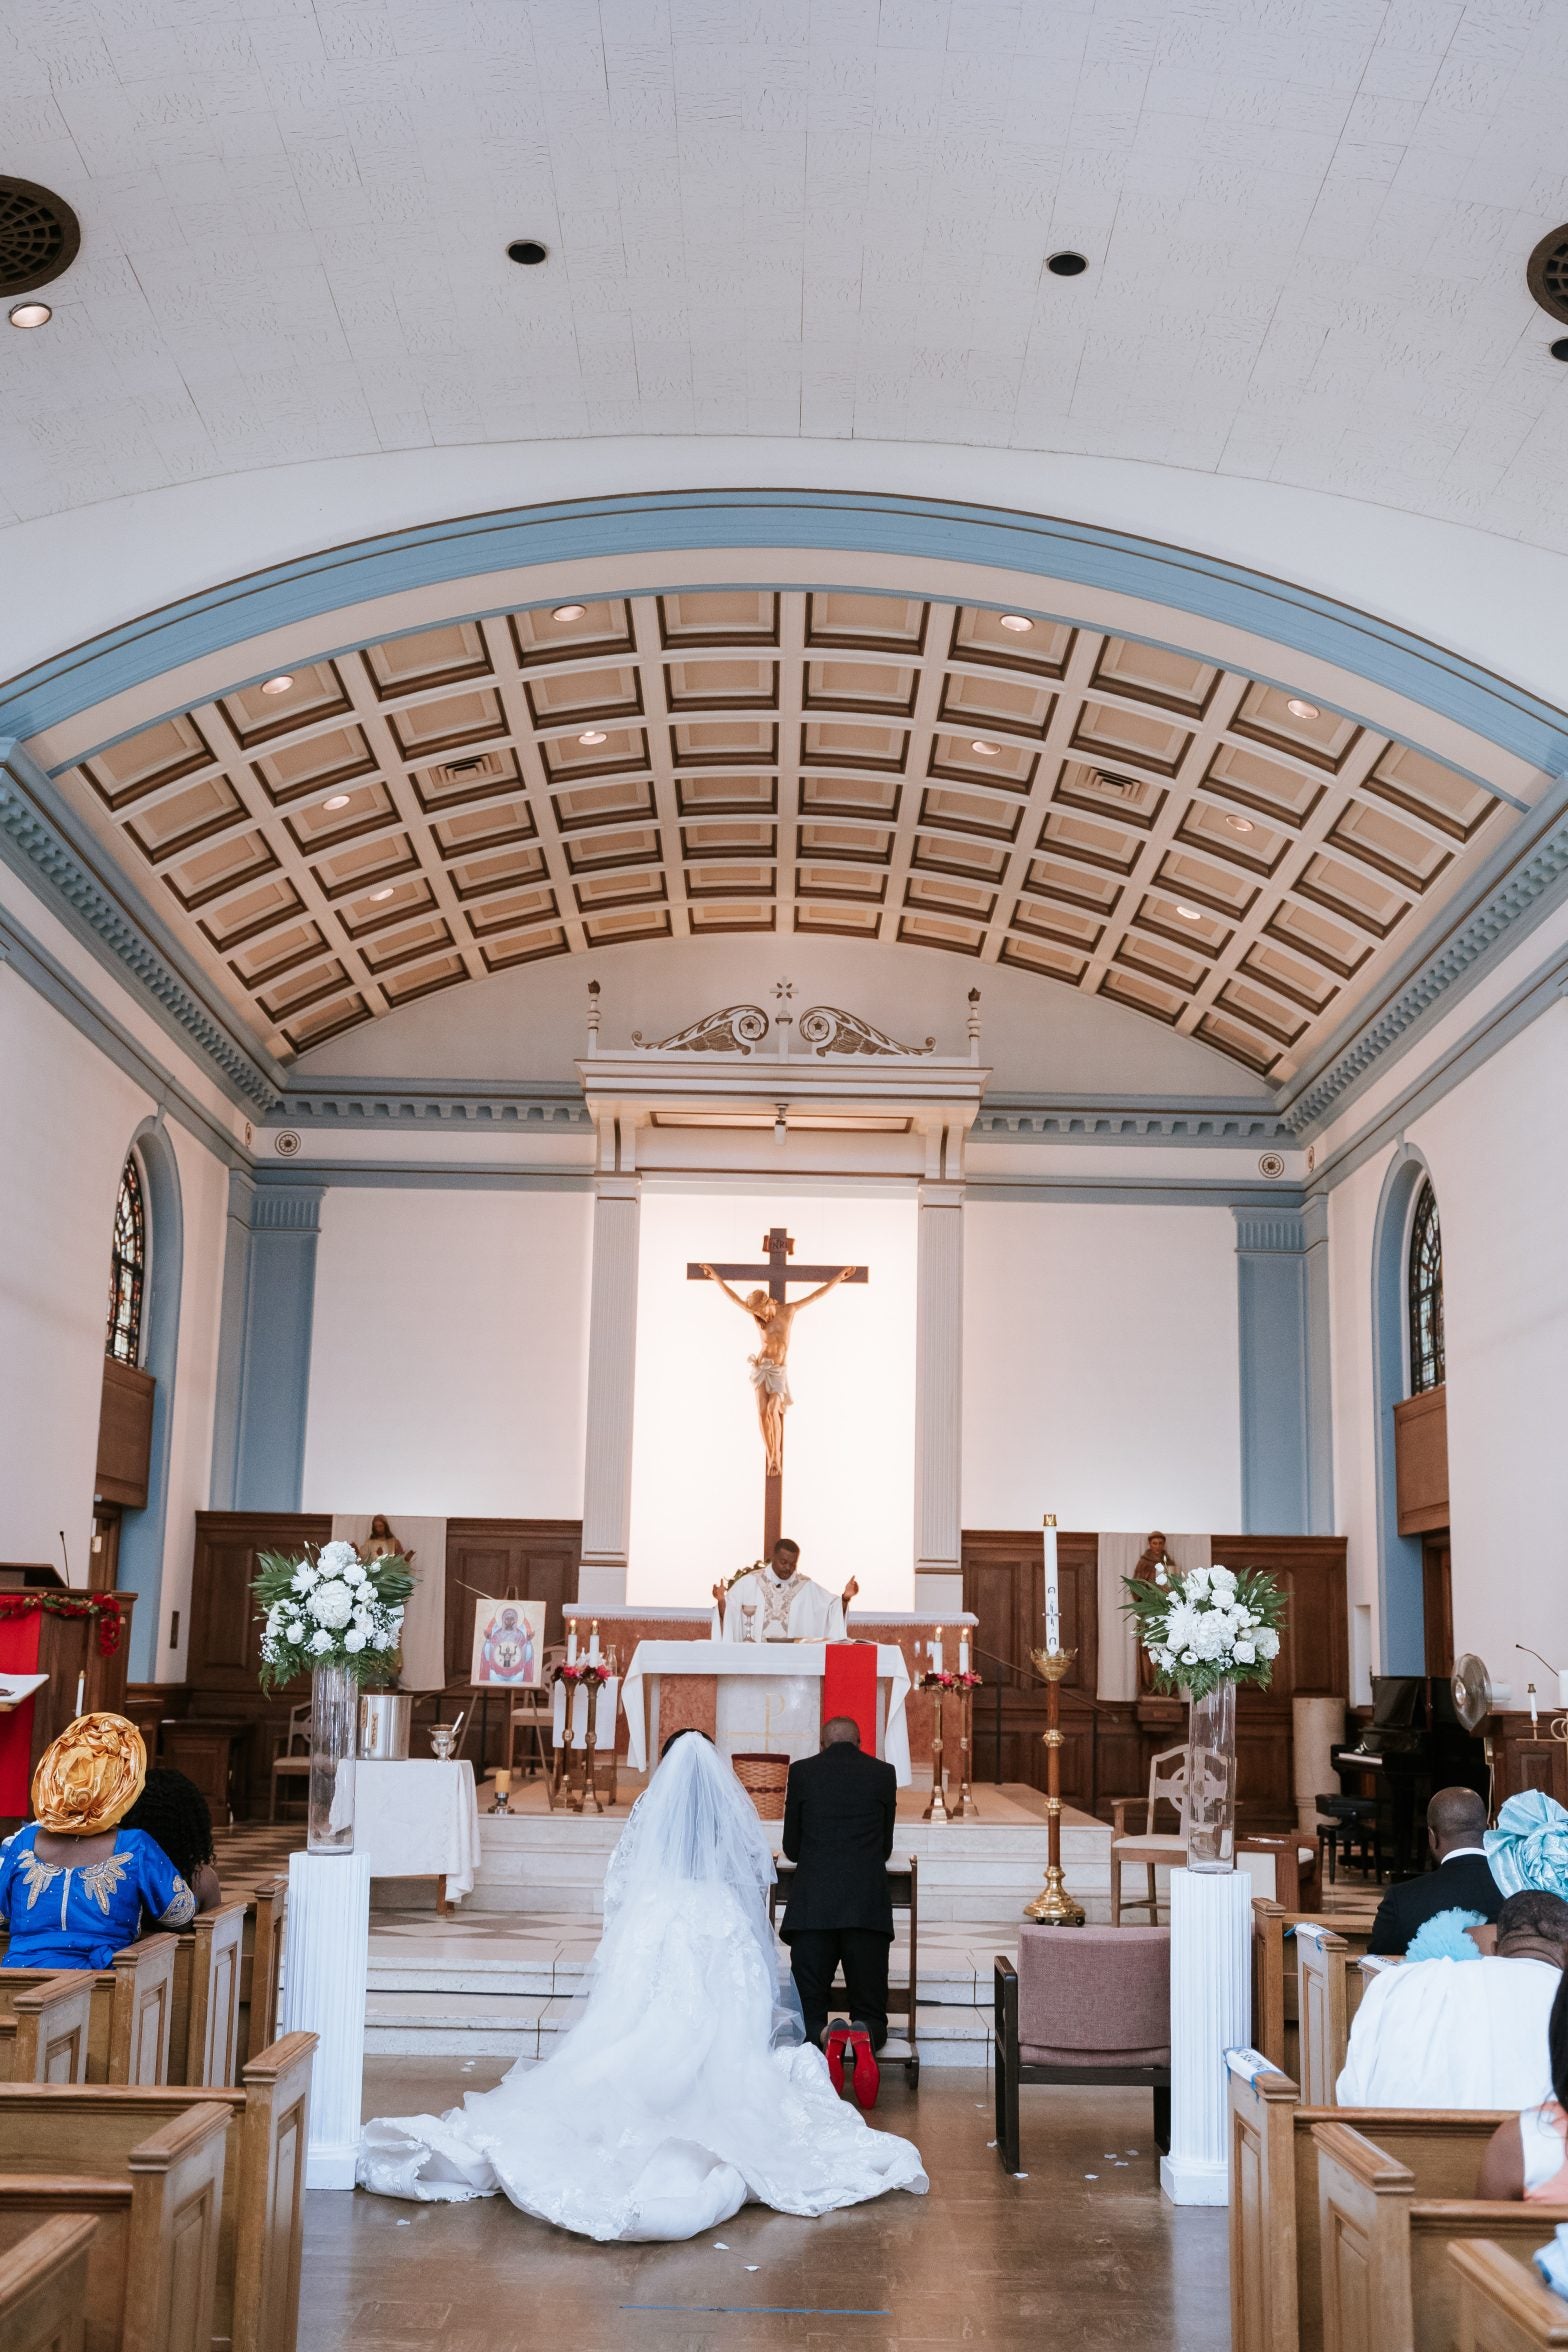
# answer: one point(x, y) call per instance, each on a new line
point(773, 1311)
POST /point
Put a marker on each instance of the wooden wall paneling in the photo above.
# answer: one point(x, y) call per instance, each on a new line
point(1314, 1658)
point(225, 1642)
point(1522, 1759)
point(124, 1434)
point(1421, 1461)
point(517, 1559)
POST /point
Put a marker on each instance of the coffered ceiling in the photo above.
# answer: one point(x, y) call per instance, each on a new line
point(1211, 850)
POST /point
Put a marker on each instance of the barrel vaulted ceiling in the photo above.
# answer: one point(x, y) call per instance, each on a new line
point(1306, 230)
point(1225, 853)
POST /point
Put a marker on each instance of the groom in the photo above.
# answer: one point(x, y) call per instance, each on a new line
point(838, 1831)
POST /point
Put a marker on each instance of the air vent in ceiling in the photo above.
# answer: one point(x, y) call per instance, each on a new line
point(1118, 787)
point(479, 769)
point(1546, 273)
point(39, 236)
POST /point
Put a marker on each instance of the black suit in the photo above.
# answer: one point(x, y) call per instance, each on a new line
point(838, 1831)
point(1464, 1883)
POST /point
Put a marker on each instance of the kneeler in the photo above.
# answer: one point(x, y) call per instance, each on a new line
point(849, 1687)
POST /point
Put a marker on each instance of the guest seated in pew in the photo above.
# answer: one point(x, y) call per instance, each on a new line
point(1528, 2158)
point(76, 1883)
point(1462, 1880)
point(175, 1815)
point(1445, 2033)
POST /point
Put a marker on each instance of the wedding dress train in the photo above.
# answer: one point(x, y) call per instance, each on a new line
point(685, 2090)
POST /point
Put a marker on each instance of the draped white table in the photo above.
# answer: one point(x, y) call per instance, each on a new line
point(784, 1662)
point(419, 1819)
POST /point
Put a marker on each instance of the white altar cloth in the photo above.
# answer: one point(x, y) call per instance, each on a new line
point(419, 1819)
point(651, 1660)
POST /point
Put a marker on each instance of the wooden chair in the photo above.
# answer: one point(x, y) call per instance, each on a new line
point(1167, 1786)
point(261, 1965)
point(1089, 2007)
point(1387, 2280)
point(291, 1760)
point(45, 2029)
point(1276, 2274)
point(93, 2132)
point(530, 1716)
point(43, 2286)
point(152, 2259)
point(131, 2011)
point(1501, 2306)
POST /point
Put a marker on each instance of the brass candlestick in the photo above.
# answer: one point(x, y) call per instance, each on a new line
point(965, 1803)
point(937, 1809)
point(1053, 1906)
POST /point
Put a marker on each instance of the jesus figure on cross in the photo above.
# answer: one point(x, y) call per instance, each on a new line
point(775, 1320)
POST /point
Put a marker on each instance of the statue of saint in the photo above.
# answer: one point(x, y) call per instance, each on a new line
point(769, 1366)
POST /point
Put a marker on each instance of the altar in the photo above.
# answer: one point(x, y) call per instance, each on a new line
point(767, 1697)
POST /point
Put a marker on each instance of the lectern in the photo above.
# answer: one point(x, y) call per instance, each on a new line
point(59, 1630)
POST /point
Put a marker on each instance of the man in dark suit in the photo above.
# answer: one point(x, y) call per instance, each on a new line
point(838, 1832)
point(1462, 1881)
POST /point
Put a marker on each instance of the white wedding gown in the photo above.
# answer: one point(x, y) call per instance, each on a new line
point(685, 2090)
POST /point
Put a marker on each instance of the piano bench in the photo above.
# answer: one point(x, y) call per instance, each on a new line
point(1349, 1823)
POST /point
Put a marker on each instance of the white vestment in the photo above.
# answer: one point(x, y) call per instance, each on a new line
point(1452, 2033)
point(788, 1608)
point(686, 2088)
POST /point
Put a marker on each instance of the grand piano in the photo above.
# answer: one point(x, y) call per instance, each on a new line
point(1415, 1743)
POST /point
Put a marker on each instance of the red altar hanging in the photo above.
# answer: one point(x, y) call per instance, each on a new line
point(18, 1655)
point(849, 1687)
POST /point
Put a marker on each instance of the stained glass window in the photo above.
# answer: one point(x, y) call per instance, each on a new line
point(1426, 1295)
point(128, 1268)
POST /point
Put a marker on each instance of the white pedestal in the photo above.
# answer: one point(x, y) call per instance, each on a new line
point(325, 1963)
point(1211, 2012)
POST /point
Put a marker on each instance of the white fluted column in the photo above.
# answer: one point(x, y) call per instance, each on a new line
point(939, 1385)
point(1211, 2013)
point(612, 1383)
point(325, 1963)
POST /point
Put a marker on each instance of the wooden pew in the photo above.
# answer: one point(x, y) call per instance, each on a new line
point(152, 2261)
point(1502, 2306)
point(1331, 1979)
point(132, 2010)
point(204, 2034)
point(1275, 2270)
point(43, 2287)
point(45, 2029)
point(1276, 1988)
point(91, 2132)
point(1387, 2282)
point(261, 1971)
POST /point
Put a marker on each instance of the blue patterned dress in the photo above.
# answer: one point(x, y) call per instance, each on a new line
point(64, 1915)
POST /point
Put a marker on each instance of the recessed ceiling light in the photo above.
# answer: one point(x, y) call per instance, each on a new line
point(29, 314)
point(1189, 914)
point(986, 750)
point(592, 735)
point(1067, 265)
point(277, 685)
point(338, 800)
point(568, 612)
point(528, 251)
point(1302, 710)
point(1241, 824)
point(1019, 623)
point(378, 895)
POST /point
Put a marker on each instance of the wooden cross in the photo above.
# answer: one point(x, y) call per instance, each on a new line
point(775, 1277)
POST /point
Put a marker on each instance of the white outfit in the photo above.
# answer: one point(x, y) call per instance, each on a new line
point(685, 2089)
point(788, 1608)
point(1452, 2033)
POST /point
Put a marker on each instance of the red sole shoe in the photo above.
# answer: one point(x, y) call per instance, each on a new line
point(837, 2044)
point(868, 2074)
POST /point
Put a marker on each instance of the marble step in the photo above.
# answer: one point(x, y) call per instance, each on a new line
point(462, 1984)
point(515, 2025)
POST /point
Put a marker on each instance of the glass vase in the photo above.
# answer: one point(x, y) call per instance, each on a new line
point(334, 1738)
point(1211, 1781)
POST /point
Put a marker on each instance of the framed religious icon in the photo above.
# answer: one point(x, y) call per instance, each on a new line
point(508, 1649)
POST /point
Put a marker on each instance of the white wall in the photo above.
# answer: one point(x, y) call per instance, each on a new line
point(697, 1459)
point(1101, 1367)
point(449, 1354)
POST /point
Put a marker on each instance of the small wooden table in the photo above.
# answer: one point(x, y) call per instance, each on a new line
point(209, 1751)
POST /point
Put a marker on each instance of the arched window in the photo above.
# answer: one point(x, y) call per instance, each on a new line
point(1425, 1294)
point(128, 1268)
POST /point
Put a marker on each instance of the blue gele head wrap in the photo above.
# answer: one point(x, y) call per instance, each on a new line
point(1529, 1846)
point(1443, 1937)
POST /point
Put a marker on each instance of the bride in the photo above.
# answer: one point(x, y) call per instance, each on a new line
point(685, 2089)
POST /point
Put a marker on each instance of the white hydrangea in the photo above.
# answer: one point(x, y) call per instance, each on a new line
point(354, 1639)
point(337, 1558)
point(319, 1641)
point(1268, 1643)
point(332, 1603)
point(1196, 1582)
point(1222, 1581)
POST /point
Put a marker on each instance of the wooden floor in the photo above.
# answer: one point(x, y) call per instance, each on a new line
point(1081, 2264)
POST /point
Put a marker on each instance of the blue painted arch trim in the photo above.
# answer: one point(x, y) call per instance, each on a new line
point(1050, 547)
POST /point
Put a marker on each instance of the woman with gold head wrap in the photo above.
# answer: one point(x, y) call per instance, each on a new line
point(75, 1883)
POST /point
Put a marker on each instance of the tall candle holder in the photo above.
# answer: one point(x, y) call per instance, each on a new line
point(1053, 1906)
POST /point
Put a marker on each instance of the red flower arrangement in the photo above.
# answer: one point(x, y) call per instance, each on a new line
point(104, 1606)
point(583, 1672)
point(948, 1681)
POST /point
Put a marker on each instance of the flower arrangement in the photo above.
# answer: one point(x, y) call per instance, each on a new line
point(333, 1610)
point(1207, 1627)
point(598, 1671)
point(105, 1607)
point(948, 1680)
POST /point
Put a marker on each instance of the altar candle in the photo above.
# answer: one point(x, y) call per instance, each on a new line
point(1562, 1688)
point(934, 1649)
point(503, 1780)
point(1535, 1713)
point(963, 1650)
point(81, 1692)
point(593, 1643)
point(1053, 1590)
point(571, 1641)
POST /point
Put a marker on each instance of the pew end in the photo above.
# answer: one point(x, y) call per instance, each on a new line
point(1502, 2306)
point(43, 2286)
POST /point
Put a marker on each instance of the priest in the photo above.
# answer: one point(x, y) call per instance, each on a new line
point(783, 1605)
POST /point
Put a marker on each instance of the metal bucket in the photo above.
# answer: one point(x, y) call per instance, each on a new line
point(385, 1720)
